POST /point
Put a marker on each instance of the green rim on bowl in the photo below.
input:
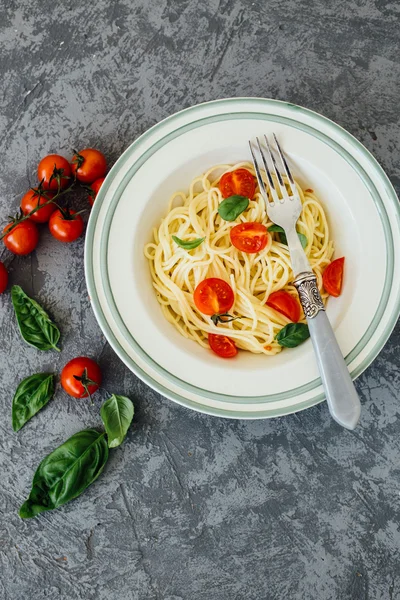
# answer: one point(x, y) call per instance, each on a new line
point(108, 291)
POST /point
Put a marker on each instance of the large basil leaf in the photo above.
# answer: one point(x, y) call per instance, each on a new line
point(34, 323)
point(282, 235)
point(32, 394)
point(66, 472)
point(232, 207)
point(117, 414)
point(292, 335)
point(189, 244)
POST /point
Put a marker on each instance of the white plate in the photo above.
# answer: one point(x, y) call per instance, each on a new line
point(363, 213)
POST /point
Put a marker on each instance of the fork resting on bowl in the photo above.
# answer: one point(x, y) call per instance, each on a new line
point(284, 210)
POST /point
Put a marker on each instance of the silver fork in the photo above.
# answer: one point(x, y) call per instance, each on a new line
point(342, 398)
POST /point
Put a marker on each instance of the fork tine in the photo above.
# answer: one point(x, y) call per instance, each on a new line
point(274, 194)
point(285, 195)
point(286, 167)
point(267, 171)
point(258, 173)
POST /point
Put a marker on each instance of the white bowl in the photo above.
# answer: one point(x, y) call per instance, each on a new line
point(363, 213)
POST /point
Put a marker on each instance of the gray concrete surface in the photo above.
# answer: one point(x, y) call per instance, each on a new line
point(191, 507)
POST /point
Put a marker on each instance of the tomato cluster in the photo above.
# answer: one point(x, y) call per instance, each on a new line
point(41, 204)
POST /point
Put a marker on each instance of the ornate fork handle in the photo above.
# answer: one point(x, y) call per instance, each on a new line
point(310, 298)
point(341, 395)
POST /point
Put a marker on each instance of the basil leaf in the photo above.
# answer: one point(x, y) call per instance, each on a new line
point(117, 414)
point(32, 394)
point(66, 472)
point(292, 335)
point(276, 228)
point(303, 239)
point(232, 207)
point(34, 323)
point(282, 235)
point(190, 244)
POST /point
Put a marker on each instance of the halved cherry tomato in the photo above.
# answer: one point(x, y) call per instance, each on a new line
point(95, 187)
point(53, 165)
point(3, 277)
point(81, 377)
point(238, 182)
point(213, 296)
point(222, 345)
point(89, 165)
point(66, 228)
point(284, 303)
point(249, 237)
point(34, 198)
point(22, 239)
point(333, 277)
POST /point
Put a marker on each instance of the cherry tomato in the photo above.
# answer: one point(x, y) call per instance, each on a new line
point(213, 296)
point(89, 165)
point(95, 186)
point(54, 164)
point(88, 373)
point(222, 345)
point(3, 277)
point(284, 303)
point(66, 228)
point(22, 239)
point(333, 277)
point(34, 198)
point(239, 182)
point(249, 237)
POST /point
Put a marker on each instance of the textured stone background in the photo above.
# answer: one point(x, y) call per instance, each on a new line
point(191, 507)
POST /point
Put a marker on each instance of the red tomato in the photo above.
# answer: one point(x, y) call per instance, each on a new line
point(249, 237)
point(213, 296)
point(81, 377)
point(52, 165)
point(222, 345)
point(89, 165)
point(284, 303)
point(239, 182)
point(66, 228)
point(31, 200)
point(22, 239)
point(3, 277)
point(96, 185)
point(333, 277)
